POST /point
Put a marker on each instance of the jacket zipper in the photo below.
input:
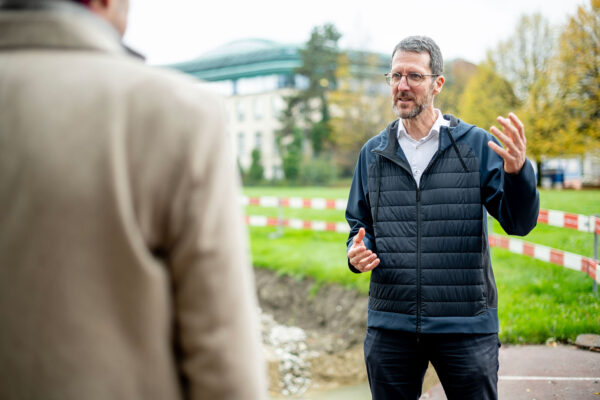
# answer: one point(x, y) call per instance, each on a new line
point(398, 161)
point(402, 164)
point(419, 299)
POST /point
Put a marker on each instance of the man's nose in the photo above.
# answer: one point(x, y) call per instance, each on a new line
point(403, 83)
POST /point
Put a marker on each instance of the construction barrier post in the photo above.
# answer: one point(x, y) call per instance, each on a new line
point(595, 250)
point(279, 232)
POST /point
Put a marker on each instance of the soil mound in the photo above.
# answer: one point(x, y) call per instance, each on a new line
point(329, 351)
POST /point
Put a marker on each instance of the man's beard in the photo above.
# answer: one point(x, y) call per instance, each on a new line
point(416, 110)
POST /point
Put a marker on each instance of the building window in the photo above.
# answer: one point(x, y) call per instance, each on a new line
point(258, 141)
point(239, 109)
point(258, 84)
point(285, 81)
point(257, 105)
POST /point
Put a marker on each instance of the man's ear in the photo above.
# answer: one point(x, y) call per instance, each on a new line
point(99, 6)
point(438, 84)
point(113, 11)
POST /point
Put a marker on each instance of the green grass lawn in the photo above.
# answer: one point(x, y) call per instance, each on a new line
point(537, 300)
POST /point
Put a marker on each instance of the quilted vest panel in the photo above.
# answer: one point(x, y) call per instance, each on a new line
point(430, 240)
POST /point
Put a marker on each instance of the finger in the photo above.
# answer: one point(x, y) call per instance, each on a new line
point(520, 127)
point(508, 143)
point(511, 130)
point(359, 256)
point(499, 135)
point(512, 163)
point(359, 261)
point(366, 261)
point(500, 151)
point(508, 128)
point(357, 250)
point(359, 236)
point(372, 265)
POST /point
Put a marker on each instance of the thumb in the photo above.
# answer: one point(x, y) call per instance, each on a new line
point(359, 236)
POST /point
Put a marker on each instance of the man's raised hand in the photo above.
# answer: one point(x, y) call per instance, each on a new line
point(360, 257)
point(515, 143)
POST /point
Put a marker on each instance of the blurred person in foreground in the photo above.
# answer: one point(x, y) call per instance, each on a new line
point(123, 255)
point(417, 213)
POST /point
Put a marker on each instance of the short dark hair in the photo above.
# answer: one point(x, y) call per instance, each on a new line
point(422, 44)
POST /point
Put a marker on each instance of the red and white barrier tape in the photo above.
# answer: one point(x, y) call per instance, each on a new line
point(544, 253)
point(295, 202)
point(340, 227)
point(540, 252)
point(560, 219)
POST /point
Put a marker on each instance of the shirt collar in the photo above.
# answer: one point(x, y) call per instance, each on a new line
point(434, 132)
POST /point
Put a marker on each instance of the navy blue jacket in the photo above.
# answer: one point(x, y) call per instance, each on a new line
point(435, 274)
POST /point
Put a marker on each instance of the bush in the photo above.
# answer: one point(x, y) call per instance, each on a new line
point(291, 165)
point(256, 171)
point(318, 171)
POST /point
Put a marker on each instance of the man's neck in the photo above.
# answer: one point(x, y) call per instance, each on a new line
point(420, 126)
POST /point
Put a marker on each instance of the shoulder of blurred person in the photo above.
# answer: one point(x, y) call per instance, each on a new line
point(138, 159)
point(77, 62)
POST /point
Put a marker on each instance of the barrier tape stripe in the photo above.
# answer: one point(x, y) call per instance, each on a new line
point(537, 251)
point(259, 220)
point(316, 203)
point(583, 223)
point(565, 259)
point(561, 219)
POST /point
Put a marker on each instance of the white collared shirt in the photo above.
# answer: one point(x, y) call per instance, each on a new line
point(420, 152)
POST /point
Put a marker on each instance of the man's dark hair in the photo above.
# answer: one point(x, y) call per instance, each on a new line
point(422, 44)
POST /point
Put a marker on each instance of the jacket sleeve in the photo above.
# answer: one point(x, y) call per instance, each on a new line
point(217, 333)
point(358, 209)
point(512, 199)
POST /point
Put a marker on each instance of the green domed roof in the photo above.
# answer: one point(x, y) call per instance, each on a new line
point(242, 59)
point(248, 58)
point(241, 46)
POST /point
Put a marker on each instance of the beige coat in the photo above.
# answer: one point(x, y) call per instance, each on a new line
point(124, 271)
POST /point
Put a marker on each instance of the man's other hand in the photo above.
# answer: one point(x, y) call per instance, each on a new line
point(360, 257)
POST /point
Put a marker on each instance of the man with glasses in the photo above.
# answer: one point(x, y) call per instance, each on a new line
point(417, 213)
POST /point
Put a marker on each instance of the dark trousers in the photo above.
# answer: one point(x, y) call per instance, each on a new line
point(467, 364)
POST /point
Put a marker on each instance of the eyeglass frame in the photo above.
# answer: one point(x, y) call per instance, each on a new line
point(389, 76)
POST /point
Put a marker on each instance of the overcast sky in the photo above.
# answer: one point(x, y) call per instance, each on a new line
point(181, 30)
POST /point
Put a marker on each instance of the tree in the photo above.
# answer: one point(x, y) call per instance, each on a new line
point(361, 106)
point(289, 140)
point(486, 96)
point(528, 60)
point(557, 81)
point(457, 74)
point(579, 77)
point(306, 117)
point(319, 65)
point(292, 159)
point(256, 170)
point(525, 56)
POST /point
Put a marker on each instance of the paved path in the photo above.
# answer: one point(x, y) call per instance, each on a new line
point(543, 373)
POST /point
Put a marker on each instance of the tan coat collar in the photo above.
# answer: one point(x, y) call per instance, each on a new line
point(55, 24)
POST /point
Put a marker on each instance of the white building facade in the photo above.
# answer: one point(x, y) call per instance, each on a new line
point(256, 76)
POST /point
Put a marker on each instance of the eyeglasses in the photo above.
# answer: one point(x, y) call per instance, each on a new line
point(412, 78)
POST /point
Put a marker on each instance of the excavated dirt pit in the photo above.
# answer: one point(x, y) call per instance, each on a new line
point(313, 339)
